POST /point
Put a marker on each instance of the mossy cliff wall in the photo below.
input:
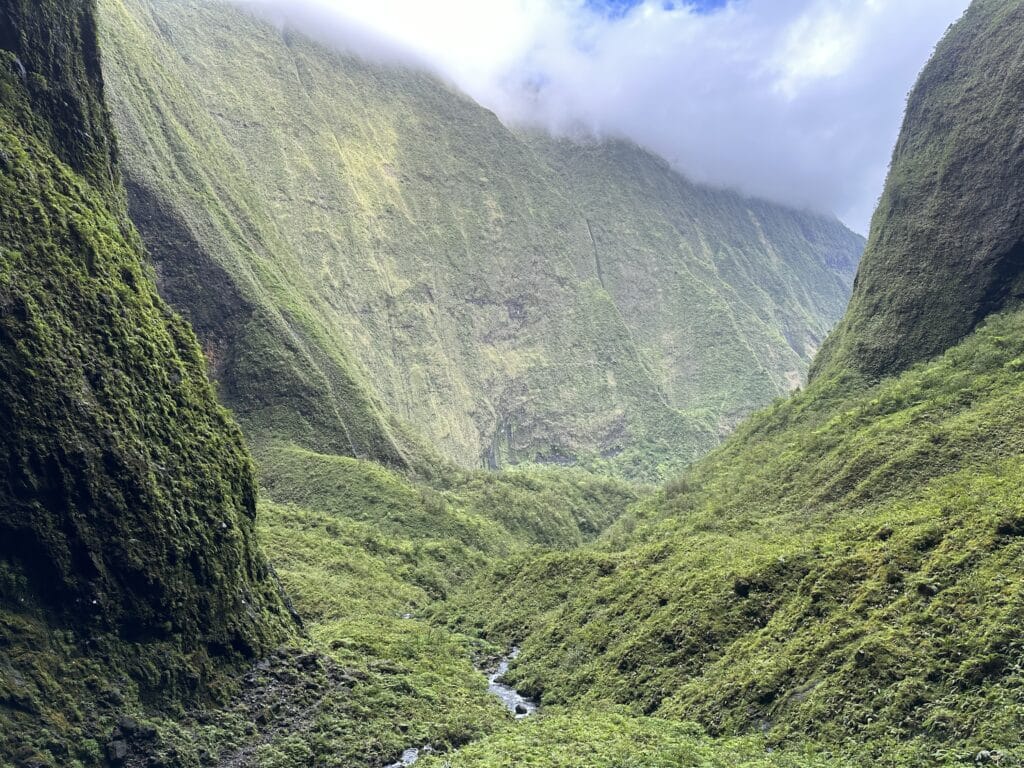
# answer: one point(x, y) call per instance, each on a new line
point(127, 498)
point(947, 240)
point(384, 245)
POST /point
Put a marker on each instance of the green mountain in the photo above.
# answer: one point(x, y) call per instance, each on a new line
point(846, 571)
point(368, 255)
point(140, 623)
point(128, 560)
point(926, 283)
point(387, 283)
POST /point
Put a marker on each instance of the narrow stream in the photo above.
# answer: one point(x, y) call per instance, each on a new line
point(518, 705)
point(409, 757)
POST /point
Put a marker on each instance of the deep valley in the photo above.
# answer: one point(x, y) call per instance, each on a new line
point(342, 424)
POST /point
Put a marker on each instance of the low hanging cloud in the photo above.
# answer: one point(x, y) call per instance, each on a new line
point(797, 101)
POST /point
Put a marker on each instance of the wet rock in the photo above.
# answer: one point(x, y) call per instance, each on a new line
point(117, 751)
point(128, 726)
point(521, 710)
point(741, 587)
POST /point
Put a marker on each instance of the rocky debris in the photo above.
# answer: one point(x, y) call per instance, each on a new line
point(284, 692)
point(117, 751)
point(411, 755)
point(129, 739)
point(515, 702)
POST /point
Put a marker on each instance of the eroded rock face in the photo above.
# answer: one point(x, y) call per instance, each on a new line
point(947, 241)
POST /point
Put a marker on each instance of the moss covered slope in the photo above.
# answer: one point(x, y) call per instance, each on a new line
point(947, 241)
point(847, 569)
point(127, 498)
point(387, 246)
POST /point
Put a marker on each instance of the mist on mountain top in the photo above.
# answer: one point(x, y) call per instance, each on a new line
point(797, 101)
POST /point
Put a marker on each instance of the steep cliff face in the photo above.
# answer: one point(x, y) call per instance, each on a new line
point(947, 241)
point(52, 48)
point(727, 298)
point(392, 248)
point(127, 498)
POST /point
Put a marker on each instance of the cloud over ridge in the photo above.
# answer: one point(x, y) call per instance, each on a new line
point(797, 101)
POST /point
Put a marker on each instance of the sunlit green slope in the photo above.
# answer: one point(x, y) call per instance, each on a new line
point(848, 569)
point(360, 247)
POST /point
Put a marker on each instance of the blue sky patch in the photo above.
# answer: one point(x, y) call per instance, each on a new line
point(616, 9)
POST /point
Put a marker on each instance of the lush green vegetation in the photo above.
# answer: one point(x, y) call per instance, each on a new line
point(364, 553)
point(128, 562)
point(847, 568)
point(840, 583)
point(958, 164)
point(613, 739)
point(495, 513)
point(388, 251)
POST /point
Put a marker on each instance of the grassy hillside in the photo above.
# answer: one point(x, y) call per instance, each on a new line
point(353, 241)
point(846, 570)
point(925, 282)
point(129, 570)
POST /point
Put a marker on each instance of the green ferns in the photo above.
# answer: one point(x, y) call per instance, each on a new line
point(614, 739)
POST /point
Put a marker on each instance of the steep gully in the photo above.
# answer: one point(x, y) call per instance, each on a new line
point(516, 703)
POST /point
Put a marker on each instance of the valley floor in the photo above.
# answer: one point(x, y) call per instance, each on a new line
point(838, 585)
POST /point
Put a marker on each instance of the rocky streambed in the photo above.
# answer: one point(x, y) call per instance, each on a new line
point(516, 703)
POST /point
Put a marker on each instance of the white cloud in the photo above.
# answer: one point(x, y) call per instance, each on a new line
point(794, 100)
